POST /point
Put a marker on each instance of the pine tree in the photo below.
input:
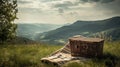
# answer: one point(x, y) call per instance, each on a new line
point(8, 12)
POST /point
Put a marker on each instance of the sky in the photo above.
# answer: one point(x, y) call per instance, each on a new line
point(66, 11)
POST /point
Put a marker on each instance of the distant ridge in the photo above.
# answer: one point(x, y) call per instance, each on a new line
point(30, 30)
point(21, 40)
point(115, 17)
point(106, 28)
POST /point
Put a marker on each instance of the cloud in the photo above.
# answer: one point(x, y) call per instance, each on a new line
point(106, 1)
point(24, 2)
point(48, 0)
point(60, 10)
point(101, 1)
point(64, 4)
point(67, 10)
point(112, 7)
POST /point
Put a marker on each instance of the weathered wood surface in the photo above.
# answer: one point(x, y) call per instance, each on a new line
point(86, 47)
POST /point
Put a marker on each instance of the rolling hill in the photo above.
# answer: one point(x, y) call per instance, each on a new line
point(30, 30)
point(21, 40)
point(103, 28)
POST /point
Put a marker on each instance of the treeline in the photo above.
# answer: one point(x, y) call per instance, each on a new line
point(8, 13)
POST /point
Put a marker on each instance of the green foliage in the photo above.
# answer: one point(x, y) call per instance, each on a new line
point(8, 11)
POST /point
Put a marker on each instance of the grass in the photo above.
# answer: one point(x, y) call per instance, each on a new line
point(30, 55)
point(24, 55)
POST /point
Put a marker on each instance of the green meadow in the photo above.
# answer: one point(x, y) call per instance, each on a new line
point(29, 56)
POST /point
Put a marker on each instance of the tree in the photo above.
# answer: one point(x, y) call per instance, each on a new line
point(8, 12)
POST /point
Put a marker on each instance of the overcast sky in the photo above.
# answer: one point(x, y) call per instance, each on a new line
point(66, 11)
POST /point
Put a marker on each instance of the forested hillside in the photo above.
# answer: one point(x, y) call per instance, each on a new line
point(108, 28)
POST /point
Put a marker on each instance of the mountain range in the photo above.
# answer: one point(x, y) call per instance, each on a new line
point(30, 30)
point(107, 29)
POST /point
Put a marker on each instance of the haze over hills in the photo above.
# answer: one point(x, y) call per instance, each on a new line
point(30, 30)
point(104, 28)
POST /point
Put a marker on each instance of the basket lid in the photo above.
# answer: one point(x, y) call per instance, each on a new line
point(81, 38)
